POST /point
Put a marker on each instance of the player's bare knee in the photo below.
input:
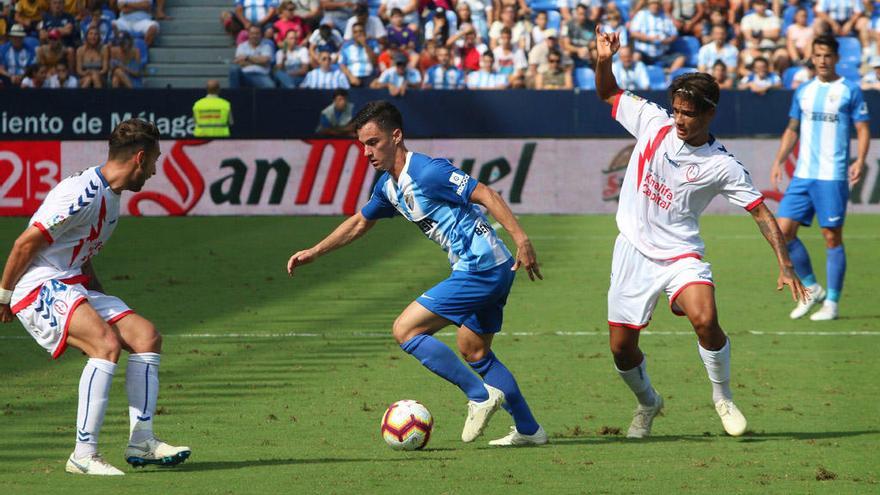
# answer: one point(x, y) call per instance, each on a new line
point(401, 331)
point(472, 353)
point(107, 345)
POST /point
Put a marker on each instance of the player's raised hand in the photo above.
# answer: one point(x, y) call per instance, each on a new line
point(5, 313)
point(303, 257)
point(607, 44)
point(525, 257)
point(788, 277)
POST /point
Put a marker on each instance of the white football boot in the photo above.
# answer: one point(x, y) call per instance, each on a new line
point(733, 420)
point(94, 465)
point(479, 414)
point(156, 452)
point(517, 439)
point(815, 296)
point(828, 311)
point(643, 418)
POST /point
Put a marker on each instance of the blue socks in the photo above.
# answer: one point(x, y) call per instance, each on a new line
point(836, 268)
point(440, 359)
point(497, 375)
point(801, 261)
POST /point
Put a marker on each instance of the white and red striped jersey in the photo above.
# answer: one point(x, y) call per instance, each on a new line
point(669, 183)
point(77, 217)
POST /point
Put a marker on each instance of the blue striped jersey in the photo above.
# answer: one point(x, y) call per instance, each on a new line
point(826, 111)
point(840, 10)
point(318, 79)
point(256, 10)
point(438, 77)
point(633, 78)
point(355, 57)
point(653, 25)
point(486, 80)
point(435, 195)
point(392, 77)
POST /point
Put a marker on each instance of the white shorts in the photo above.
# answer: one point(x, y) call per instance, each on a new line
point(637, 281)
point(45, 312)
point(138, 27)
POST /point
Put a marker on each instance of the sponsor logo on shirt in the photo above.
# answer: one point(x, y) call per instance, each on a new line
point(460, 180)
point(823, 117)
point(863, 109)
point(60, 307)
point(56, 221)
point(657, 191)
point(692, 172)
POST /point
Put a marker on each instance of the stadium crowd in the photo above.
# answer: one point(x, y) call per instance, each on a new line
point(76, 43)
point(404, 45)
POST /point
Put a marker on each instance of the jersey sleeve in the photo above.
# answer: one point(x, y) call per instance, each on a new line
point(635, 113)
point(61, 210)
point(859, 110)
point(795, 111)
point(378, 206)
point(736, 185)
point(440, 180)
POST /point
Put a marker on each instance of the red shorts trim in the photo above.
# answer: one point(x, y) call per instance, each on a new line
point(751, 206)
point(120, 316)
point(678, 292)
point(32, 295)
point(627, 325)
point(45, 232)
point(686, 255)
point(62, 346)
point(615, 104)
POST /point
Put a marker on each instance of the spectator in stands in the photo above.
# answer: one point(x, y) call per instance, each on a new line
point(577, 34)
point(309, 11)
point(401, 34)
point(613, 23)
point(337, 12)
point(92, 60)
point(631, 74)
point(717, 18)
point(722, 75)
point(844, 18)
point(653, 32)
point(291, 62)
point(325, 76)
point(871, 79)
point(428, 56)
point(443, 75)
point(761, 27)
point(539, 56)
point(537, 31)
point(56, 18)
point(253, 60)
point(467, 48)
point(803, 75)
point(375, 30)
point(399, 78)
point(62, 78)
point(5, 14)
point(248, 13)
point(136, 18)
point(34, 77)
point(28, 14)
point(717, 49)
point(486, 77)
point(336, 118)
point(53, 52)
point(126, 69)
point(481, 15)
point(325, 39)
point(101, 20)
point(518, 29)
point(799, 38)
point(556, 76)
point(687, 15)
point(288, 21)
point(440, 26)
point(409, 10)
point(510, 61)
point(761, 79)
point(358, 57)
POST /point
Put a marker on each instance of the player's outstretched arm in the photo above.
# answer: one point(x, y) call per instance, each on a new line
point(497, 207)
point(770, 229)
point(607, 45)
point(789, 138)
point(23, 252)
point(349, 230)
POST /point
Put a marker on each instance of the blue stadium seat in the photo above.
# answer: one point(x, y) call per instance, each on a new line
point(689, 46)
point(788, 76)
point(791, 10)
point(144, 49)
point(31, 42)
point(585, 78)
point(543, 5)
point(680, 71)
point(554, 20)
point(850, 50)
point(373, 7)
point(656, 76)
point(849, 71)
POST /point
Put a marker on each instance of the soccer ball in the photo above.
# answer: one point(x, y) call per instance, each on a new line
point(407, 425)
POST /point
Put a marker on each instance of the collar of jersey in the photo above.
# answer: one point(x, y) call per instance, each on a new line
point(409, 155)
point(682, 145)
point(101, 176)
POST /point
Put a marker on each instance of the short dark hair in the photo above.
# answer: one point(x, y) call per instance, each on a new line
point(131, 136)
point(827, 40)
point(760, 59)
point(699, 88)
point(340, 92)
point(382, 113)
point(396, 11)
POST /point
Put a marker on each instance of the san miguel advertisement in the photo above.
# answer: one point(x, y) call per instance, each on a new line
point(331, 176)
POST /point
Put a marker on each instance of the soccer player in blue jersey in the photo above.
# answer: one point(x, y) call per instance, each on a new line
point(442, 201)
point(822, 112)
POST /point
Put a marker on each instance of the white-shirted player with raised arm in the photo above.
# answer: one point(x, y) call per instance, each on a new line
point(49, 284)
point(676, 169)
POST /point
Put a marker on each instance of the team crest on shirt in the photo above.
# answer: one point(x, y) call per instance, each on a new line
point(60, 307)
point(56, 221)
point(409, 200)
point(863, 109)
point(692, 172)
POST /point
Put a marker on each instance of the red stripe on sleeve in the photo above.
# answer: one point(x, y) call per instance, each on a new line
point(45, 232)
point(615, 104)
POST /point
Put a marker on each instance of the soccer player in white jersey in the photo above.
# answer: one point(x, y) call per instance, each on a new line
point(822, 112)
point(676, 168)
point(50, 285)
point(441, 201)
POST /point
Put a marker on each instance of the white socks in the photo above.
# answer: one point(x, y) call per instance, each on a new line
point(142, 386)
point(94, 391)
point(639, 382)
point(718, 367)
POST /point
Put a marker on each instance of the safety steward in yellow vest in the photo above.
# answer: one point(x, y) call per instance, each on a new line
point(213, 114)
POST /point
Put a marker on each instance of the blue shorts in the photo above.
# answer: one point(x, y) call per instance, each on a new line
point(826, 198)
point(473, 299)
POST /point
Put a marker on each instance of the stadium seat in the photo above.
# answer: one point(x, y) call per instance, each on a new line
point(850, 50)
point(31, 42)
point(656, 76)
point(554, 20)
point(689, 46)
point(373, 7)
point(680, 71)
point(788, 76)
point(585, 78)
point(543, 5)
point(789, 12)
point(849, 71)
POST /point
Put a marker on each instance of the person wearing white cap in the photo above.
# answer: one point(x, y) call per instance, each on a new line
point(15, 57)
point(539, 62)
point(871, 80)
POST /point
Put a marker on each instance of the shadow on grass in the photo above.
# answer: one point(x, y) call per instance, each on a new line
point(709, 437)
point(256, 463)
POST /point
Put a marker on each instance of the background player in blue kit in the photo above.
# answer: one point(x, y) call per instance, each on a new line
point(822, 112)
point(441, 200)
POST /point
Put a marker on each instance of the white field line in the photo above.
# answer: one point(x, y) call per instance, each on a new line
point(722, 237)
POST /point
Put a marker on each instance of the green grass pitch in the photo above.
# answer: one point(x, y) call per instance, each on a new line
point(279, 384)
